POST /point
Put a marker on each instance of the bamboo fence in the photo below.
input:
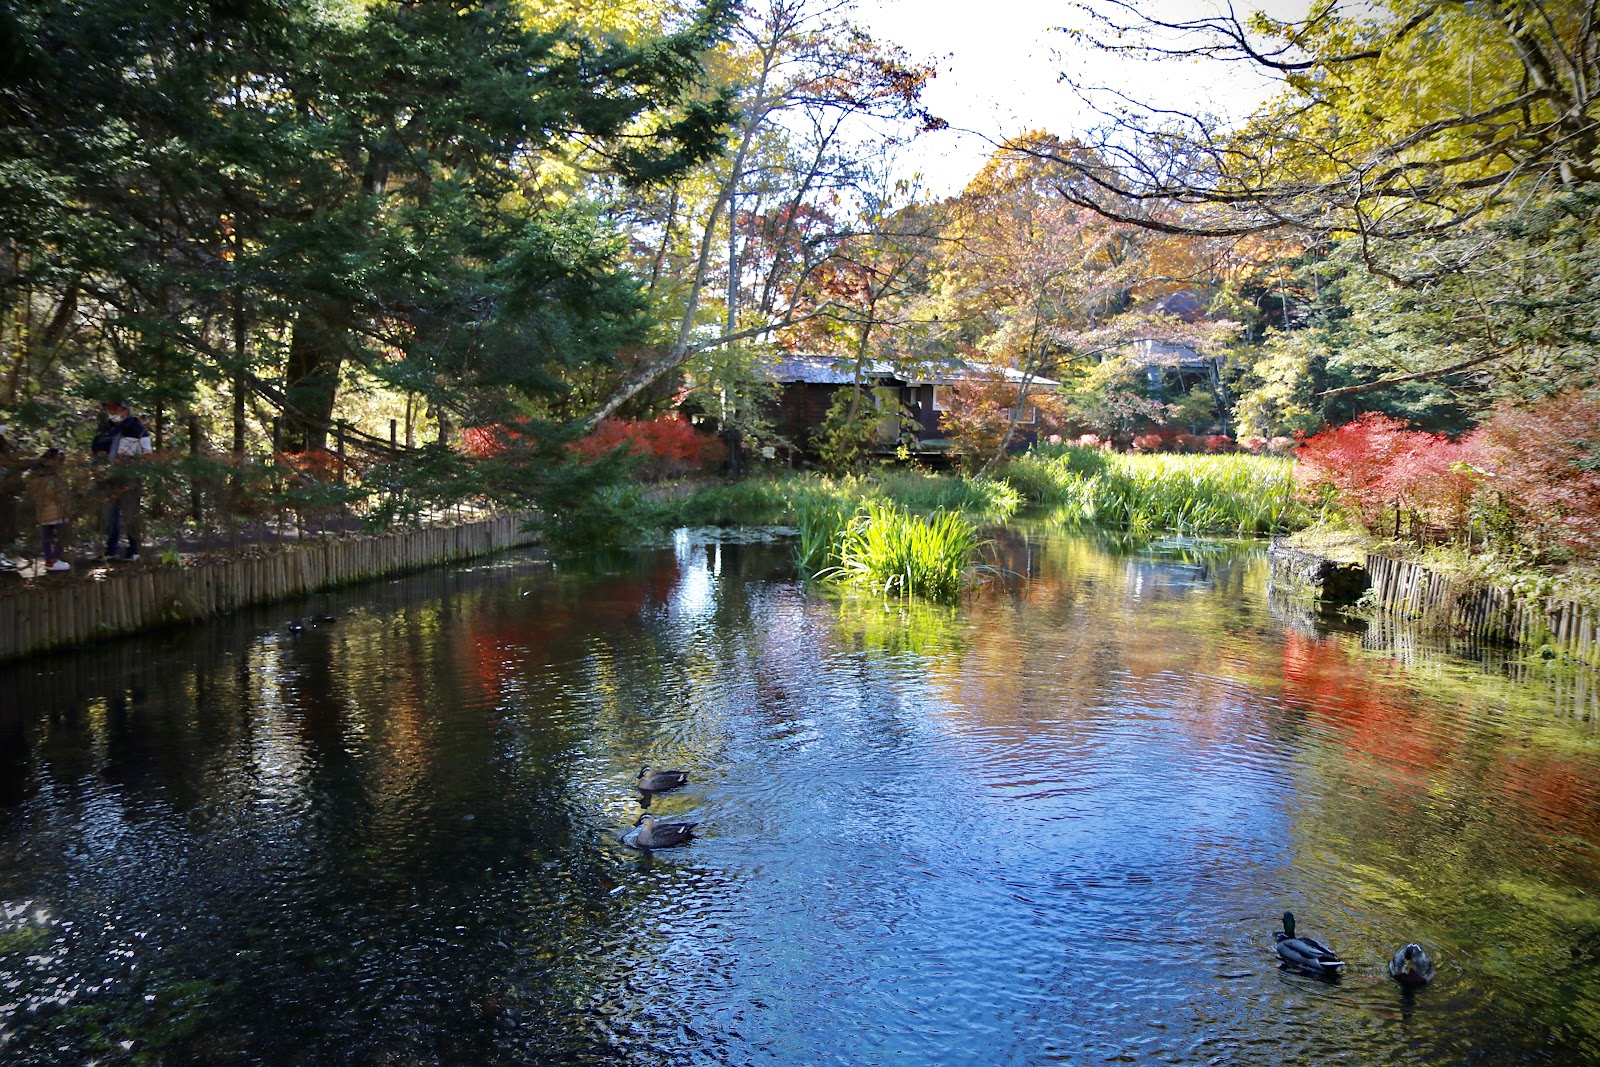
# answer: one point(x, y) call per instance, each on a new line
point(1570, 627)
point(54, 616)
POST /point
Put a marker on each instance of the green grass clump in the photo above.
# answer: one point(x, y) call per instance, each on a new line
point(885, 548)
point(780, 500)
point(984, 498)
point(1237, 494)
point(756, 501)
point(822, 525)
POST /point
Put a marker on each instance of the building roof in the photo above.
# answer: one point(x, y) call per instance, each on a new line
point(1166, 354)
point(823, 370)
point(835, 370)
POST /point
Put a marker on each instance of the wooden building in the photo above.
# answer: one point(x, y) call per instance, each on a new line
point(809, 383)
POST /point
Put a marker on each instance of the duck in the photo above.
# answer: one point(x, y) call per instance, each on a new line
point(652, 834)
point(1305, 954)
point(660, 781)
point(1411, 966)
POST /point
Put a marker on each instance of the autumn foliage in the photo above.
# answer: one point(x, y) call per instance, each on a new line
point(667, 445)
point(980, 414)
point(316, 465)
point(1544, 463)
point(1173, 441)
point(1530, 474)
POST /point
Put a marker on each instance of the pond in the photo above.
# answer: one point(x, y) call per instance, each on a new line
point(1057, 824)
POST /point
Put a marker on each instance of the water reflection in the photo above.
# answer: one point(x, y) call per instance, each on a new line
point(1056, 824)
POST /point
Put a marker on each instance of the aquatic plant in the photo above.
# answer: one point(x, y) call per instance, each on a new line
point(982, 498)
point(821, 528)
point(1238, 494)
point(781, 499)
point(886, 548)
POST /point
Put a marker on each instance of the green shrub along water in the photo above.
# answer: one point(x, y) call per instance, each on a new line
point(887, 549)
point(1236, 494)
point(782, 499)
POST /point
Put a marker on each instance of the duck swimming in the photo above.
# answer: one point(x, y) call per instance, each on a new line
point(1305, 954)
point(660, 781)
point(652, 834)
point(1411, 966)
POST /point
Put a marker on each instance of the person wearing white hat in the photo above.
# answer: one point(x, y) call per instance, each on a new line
point(129, 442)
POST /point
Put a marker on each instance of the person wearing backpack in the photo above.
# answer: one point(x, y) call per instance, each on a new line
point(128, 443)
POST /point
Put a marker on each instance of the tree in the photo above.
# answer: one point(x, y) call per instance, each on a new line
point(357, 188)
point(810, 87)
point(1448, 148)
point(1033, 282)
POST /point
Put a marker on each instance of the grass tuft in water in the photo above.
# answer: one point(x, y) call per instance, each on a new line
point(887, 549)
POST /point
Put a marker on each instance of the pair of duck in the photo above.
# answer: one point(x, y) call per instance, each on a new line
point(1411, 965)
point(649, 833)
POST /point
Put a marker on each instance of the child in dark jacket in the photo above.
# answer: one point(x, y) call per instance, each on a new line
point(47, 493)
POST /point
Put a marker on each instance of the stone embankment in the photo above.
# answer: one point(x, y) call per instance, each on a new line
point(1556, 626)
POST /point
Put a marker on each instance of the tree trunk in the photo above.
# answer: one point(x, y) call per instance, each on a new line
point(316, 355)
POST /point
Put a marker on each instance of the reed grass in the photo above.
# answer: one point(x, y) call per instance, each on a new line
point(1237, 494)
point(821, 525)
point(887, 549)
point(781, 499)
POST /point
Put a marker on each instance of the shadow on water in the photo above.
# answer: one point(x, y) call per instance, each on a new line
point(1054, 824)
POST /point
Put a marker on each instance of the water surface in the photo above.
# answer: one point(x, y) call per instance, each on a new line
point(1054, 825)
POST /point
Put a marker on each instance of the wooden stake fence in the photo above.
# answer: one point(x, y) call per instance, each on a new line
point(70, 613)
point(1570, 627)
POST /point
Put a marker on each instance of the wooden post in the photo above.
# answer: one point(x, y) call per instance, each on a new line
point(339, 441)
point(394, 432)
point(196, 512)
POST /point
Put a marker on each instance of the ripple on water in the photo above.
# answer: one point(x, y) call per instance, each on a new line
point(1054, 828)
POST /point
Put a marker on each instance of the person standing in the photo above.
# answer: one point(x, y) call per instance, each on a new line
point(129, 442)
point(47, 494)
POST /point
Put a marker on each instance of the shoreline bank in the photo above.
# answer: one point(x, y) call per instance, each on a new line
point(57, 616)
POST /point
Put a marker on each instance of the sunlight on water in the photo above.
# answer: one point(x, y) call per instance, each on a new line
point(1055, 824)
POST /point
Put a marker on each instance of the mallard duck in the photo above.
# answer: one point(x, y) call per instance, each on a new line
point(1305, 953)
point(652, 834)
point(660, 781)
point(1411, 966)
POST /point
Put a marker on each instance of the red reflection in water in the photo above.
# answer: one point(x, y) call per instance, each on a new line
point(530, 633)
point(1344, 697)
point(1545, 789)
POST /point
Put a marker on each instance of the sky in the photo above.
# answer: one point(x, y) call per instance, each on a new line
point(999, 65)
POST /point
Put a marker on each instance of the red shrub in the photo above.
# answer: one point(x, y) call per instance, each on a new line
point(317, 465)
point(1219, 442)
point(1375, 464)
point(1544, 464)
point(485, 441)
point(669, 445)
point(1148, 442)
point(1190, 442)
